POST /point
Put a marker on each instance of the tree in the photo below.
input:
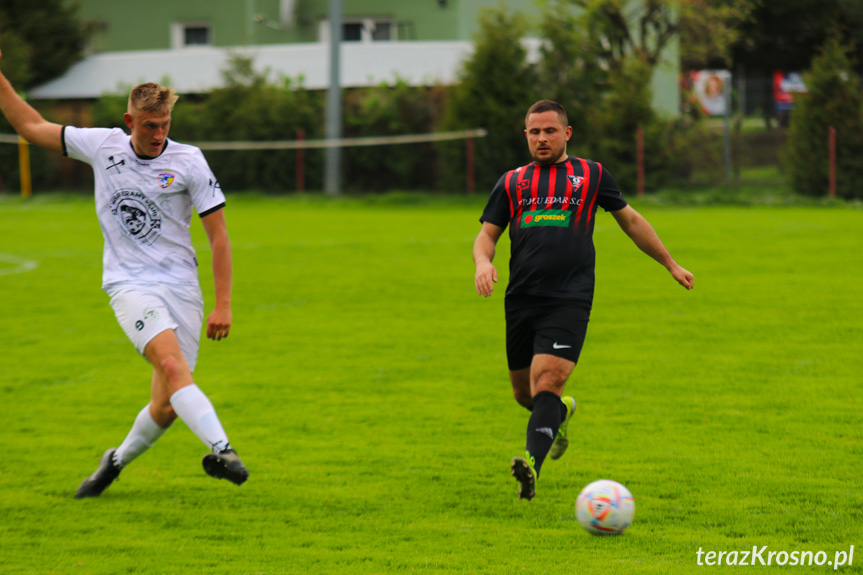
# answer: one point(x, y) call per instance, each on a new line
point(598, 60)
point(711, 29)
point(40, 40)
point(571, 70)
point(496, 88)
point(617, 29)
point(16, 57)
point(707, 29)
point(835, 98)
point(785, 35)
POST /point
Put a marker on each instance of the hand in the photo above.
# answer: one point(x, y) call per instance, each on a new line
point(683, 277)
point(219, 324)
point(486, 277)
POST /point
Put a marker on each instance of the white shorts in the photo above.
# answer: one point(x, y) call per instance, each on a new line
point(144, 310)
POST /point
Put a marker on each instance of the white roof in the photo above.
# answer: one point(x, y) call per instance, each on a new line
point(197, 70)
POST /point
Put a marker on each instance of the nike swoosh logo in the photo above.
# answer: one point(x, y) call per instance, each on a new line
point(556, 345)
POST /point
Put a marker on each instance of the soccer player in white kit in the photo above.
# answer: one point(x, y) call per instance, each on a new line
point(146, 189)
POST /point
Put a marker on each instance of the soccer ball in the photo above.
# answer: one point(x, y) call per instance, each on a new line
point(605, 507)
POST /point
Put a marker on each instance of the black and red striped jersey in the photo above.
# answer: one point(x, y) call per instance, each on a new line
point(550, 211)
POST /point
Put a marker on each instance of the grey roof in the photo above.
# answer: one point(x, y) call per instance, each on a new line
point(197, 70)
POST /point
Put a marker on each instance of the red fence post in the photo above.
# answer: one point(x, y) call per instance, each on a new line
point(640, 160)
point(832, 162)
point(469, 161)
point(301, 161)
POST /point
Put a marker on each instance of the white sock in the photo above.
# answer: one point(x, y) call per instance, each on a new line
point(142, 436)
point(196, 411)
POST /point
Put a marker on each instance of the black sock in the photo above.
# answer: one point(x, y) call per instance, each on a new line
point(542, 426)
point(562, 411)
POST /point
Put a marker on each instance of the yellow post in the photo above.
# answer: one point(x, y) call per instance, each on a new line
point(24, 167)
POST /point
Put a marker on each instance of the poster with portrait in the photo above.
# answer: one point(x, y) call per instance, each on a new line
point(785, 85)
point(709, 89)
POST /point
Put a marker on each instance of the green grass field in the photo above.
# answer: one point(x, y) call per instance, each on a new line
point(365, 385)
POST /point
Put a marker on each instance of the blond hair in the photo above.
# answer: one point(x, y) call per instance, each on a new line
point(152, 98)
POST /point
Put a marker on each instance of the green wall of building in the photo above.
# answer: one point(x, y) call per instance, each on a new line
point(126, 25)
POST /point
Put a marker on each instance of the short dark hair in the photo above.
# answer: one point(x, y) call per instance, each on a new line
point(547, 106)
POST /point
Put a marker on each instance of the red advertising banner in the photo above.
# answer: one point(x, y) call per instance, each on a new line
point(785, 85)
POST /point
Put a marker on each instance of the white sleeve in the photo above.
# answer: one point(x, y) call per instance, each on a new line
point(204, 188)
point(82, 143)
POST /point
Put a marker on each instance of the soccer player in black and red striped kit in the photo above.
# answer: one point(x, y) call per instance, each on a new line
point(550, 206)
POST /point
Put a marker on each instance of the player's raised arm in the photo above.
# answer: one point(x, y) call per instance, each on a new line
point(29, 124)
point(644, 236)
point(483, 253)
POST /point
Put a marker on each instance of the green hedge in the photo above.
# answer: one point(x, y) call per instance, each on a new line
point(834, 99)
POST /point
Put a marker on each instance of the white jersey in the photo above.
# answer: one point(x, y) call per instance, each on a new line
point(145, 204)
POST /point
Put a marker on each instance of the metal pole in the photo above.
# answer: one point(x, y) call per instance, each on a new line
point(24, 167)
point(301, 161)
point(639, 159)
point(469, 161)
point(726, 128)
point(832, 151)
point(332, 180)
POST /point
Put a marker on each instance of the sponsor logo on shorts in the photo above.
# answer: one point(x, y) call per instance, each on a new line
point(166, 179)
point(151, 314)
point(558, 218)
point(139, 325)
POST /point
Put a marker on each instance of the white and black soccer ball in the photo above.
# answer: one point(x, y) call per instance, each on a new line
point(605, 507)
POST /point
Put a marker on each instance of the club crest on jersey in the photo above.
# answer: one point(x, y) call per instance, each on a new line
point(522, 185)
point(137, 215)
point(576, 181)
point(166, 179)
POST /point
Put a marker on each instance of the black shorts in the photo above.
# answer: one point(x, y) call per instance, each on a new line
point(537, 325)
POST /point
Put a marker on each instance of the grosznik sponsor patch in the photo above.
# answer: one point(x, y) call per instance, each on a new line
point(559, 218)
